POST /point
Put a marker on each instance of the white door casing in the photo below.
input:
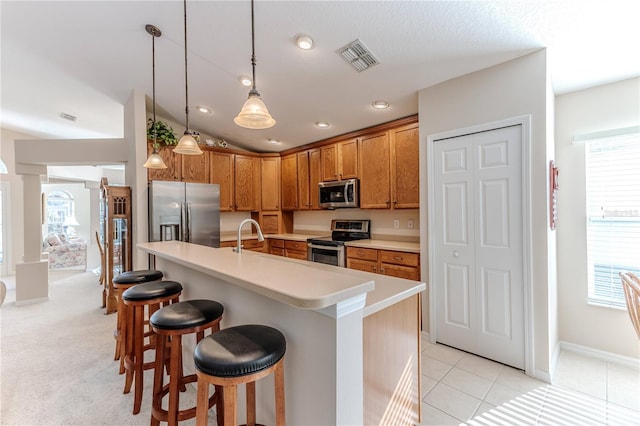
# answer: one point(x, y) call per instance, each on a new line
point(478, 257)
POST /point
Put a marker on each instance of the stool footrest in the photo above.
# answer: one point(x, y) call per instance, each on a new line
point(160, 414)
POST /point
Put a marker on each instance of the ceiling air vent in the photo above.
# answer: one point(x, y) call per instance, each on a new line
point(357, 54)
point(68, 116)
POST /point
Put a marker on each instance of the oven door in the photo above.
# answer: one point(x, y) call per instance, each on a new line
point(330, 255)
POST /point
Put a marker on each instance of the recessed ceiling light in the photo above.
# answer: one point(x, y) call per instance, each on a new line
point(244, 80)
point(380, 104)
point(274, 141)
point(203, 109)
point(322, 124)
point(304, 42)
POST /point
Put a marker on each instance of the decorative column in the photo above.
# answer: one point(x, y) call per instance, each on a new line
point(32, 273)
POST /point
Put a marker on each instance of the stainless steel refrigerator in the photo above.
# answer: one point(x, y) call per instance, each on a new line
point(184, 211)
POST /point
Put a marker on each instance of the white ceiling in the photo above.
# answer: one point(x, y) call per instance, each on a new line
point(84, 58)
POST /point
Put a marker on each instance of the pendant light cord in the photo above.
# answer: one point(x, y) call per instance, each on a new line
point(186, 80)
point(153, 90)
point(253, 49)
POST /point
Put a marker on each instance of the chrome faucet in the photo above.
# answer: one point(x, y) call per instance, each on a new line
point(238, 249)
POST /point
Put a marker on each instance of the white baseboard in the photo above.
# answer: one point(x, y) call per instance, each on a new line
point(31, 301)
point(626, 361)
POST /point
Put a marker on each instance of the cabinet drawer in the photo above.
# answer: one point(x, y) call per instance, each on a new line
point(362, 265)
point(251, 244)
point(228, 244)
point(406, 272)
point(296, 245)
point(362, 253)
point(276, 243)
point(399, 258)
point(302, 255)
point(276, 251)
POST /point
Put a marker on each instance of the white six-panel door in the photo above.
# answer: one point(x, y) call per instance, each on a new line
point(478, 251)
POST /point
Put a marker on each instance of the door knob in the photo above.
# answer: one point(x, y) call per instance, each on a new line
point(456, 253)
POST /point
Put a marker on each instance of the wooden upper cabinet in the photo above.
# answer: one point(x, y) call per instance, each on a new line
point(246, 176)
point(174, 166)
point(348, 159)
point(221, 172)
point(339, 160)
point(270, 183)
point(405, 167)
point(315, 177)
point(289, 168)
point(303, 181)
point(375, 187)
point(195, 168)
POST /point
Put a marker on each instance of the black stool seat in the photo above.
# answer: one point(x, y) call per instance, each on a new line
point(137, 277)
point(152, 290)
point(239, 351)
point(187, 314)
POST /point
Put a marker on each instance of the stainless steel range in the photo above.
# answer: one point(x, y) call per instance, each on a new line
point(331, 250)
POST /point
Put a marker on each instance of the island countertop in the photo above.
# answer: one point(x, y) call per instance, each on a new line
point(298, 284)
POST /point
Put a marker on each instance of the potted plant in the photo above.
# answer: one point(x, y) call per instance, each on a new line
point(163, 132)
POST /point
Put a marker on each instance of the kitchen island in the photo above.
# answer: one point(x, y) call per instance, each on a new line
point(353, 338)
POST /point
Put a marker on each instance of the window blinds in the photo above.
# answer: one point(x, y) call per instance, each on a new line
point(613, 215)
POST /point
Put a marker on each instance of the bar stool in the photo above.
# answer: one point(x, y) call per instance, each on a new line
point(170, 324)
point(151, 295)
point(121, 283)
point(236, 355)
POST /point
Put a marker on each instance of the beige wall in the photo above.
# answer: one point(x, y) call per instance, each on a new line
point(514, 88)
point(602, 108)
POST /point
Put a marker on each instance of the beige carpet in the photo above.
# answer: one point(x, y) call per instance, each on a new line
point(57, 363)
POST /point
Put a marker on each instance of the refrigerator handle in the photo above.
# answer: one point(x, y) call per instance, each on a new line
point(184, 225)
point(188, 209)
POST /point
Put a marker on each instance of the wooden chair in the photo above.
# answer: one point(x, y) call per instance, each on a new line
point(631, 287)
point(101, 280)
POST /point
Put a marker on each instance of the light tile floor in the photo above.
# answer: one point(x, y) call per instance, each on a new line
point(461, 388)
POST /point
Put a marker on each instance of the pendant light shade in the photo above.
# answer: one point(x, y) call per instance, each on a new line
point(154, 161)
point(187, 145)
point(254, 113)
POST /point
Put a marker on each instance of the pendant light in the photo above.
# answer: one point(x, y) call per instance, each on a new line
point(187, 145)
point(154, 161)
point(254, 113)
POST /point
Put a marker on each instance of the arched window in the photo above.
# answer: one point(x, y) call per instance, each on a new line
point(60, 211)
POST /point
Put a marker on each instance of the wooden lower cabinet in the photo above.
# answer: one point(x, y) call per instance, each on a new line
point(295, 249)
point(251, 244)
point(387, 262)
point(276, 247)
point(392, 377)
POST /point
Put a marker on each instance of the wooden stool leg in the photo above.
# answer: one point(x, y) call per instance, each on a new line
point(128, 355)
point(251, 403)
point(229, 398)
point(219, 404)
point(175, 379)
point(279, 385)
point(126, 346)
point(202, 404)
point(138, 350)
point(158, 373)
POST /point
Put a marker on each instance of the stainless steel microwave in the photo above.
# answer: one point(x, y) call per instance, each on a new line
point(339, 194)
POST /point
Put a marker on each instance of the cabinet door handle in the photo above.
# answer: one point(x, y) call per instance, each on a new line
point(397, 257)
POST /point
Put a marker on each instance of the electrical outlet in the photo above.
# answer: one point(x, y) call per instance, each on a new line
point(396, 223)
point(410, 224)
